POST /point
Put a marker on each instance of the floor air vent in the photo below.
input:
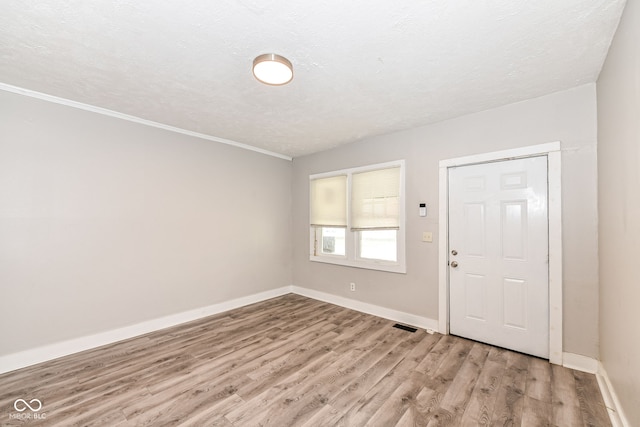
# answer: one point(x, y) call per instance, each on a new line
point(404, 327)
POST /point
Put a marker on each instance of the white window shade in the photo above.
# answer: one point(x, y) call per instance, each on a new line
point(375, 197)
point(329, 201)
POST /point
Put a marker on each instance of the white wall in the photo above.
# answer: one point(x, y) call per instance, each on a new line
point(619, 210)
point(105, 223)
point(568, 116)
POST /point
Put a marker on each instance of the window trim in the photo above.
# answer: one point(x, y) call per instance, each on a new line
point(351, 258)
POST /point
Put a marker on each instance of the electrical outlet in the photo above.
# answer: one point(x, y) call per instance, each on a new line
point(352, 286)
point(427, 236)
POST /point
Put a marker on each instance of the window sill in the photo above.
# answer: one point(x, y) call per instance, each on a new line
point(367, 265)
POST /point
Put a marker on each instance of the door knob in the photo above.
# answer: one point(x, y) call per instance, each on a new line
point(454, 252)
point(454, 264)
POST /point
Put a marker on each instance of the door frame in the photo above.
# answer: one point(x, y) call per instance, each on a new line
point(554, 162)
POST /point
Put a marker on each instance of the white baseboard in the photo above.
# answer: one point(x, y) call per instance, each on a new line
point(579, 362)
point(53, 351)
point(618, 419)
point(36, 355)
point(593, 366)
point(387, 313)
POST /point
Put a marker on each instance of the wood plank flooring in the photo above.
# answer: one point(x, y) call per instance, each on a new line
point(295, 361)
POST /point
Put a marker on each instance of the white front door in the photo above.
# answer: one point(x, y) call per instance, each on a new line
point(498, 254)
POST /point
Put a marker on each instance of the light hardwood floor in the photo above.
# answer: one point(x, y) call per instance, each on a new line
point(297, 361)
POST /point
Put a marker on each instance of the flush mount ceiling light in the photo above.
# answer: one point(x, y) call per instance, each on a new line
point(272, 69)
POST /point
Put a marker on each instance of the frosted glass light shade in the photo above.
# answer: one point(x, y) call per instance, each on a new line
point(272, 69)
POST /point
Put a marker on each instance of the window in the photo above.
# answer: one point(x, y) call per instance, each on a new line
point(357, 217)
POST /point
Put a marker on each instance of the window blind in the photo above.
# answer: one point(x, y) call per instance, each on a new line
point(375, 199)
point(329, 201)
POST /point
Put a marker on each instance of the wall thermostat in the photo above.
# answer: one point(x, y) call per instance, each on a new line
point(423, 209)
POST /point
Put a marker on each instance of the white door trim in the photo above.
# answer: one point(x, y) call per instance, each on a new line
point(553, 153)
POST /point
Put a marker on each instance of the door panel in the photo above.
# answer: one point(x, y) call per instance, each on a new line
point(498, 225)
point(515, 303)
point(474, 235)
point(514, 230)
point(476, 297)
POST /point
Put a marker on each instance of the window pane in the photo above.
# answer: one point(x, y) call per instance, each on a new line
point(332, 241)
point(375, 198)
point(328, 198)
point(379, 244)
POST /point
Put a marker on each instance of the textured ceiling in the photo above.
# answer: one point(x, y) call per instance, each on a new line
point(362, 68)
